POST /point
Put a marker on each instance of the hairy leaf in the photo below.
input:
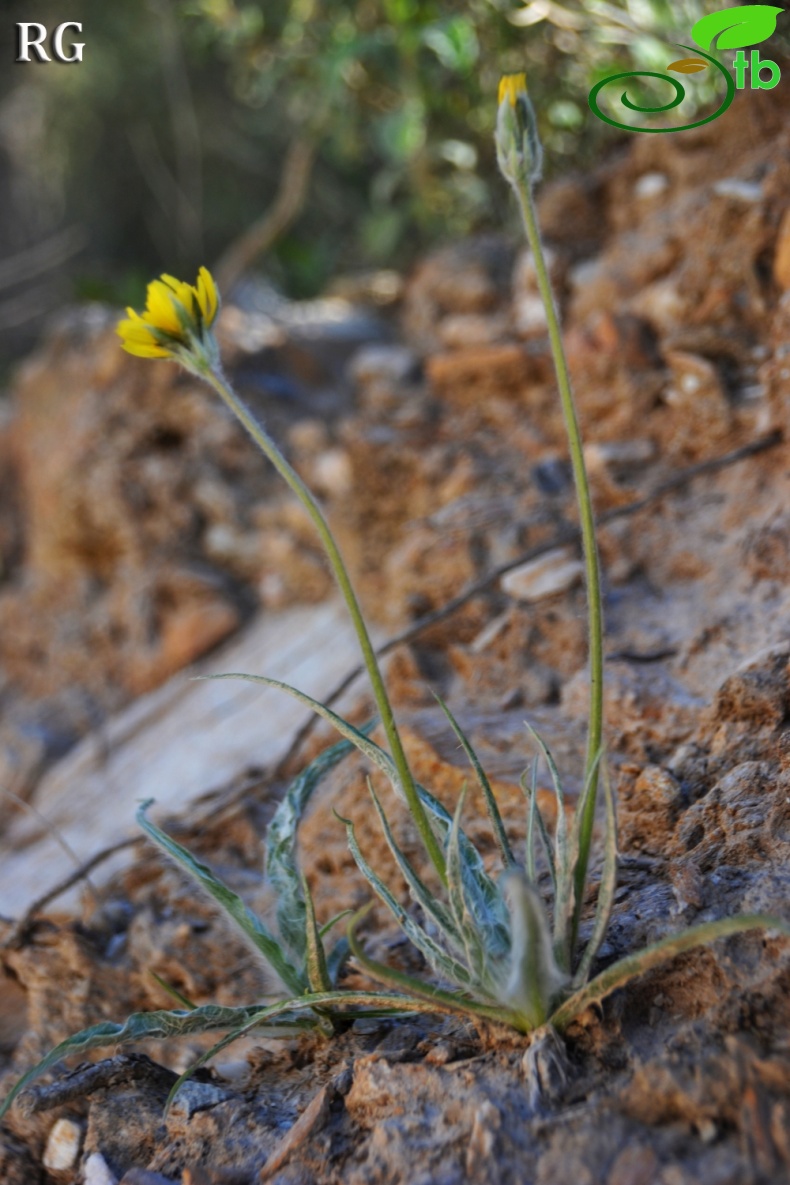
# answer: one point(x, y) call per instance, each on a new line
point(606, 891)
point(491, 804)
point(417, 988)
point(140, 1026)
point(441, 962)
point(173, 992)
point(534, 979)
point(280, 852)
point(488, 900)
point(535, 817)
point(251, 927)
point(317, 972)
point(477, 957)
point(419, 891)
point(564, 863)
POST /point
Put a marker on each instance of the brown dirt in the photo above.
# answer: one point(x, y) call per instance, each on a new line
point(677, 331)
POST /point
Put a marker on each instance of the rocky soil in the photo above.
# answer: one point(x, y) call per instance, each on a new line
point(138, 529)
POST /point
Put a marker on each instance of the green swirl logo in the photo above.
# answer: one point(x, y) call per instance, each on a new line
point(686, 66)
point(732, 28)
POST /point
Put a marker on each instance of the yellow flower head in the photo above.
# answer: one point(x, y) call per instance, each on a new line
point(512, 87)
point(176, 321)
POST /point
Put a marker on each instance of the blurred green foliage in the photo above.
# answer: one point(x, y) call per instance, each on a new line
point(169, 139)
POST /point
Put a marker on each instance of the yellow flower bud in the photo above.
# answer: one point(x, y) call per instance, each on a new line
point(511, 86)
point(518, 148)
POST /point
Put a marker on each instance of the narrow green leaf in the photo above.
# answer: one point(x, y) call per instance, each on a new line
point(327, 926)
point(140, 1026)
point(554, 773)
point(338, 956)
point(603, 907)
point(441, 962)
point(317, 972)
point(651, 956)
point(498, 826)
point(442, 1000)
point(280, 851)
point(487, 897)
point(477, 957)
point(580, 844)
point(536, 816)
point(368, 748)
point(171, 991)
point(564, 863)
point(419, 891)
point(251, 927)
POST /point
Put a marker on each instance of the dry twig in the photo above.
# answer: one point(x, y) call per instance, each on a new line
point(263, 233)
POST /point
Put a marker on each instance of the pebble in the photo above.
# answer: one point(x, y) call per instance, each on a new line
point(97, 1171)
point(650, 185)
point(196, 1096)
point(619, 454)
point(63, 1145)
point(742, 191)
point(460, 330)
point(553, 573)
point(332, 473)
point(374, 364)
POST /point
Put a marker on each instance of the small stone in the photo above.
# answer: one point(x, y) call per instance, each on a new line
point(741, 191)
point(97, 1171)
point(376, 364)
point(650, 185)
point(332, 473)
point(619, 454)
point(553, 573)
point(487, 1122)
point(196, 1096)
point(311, 1120)
point(63, 1145)
point(308, 436)
point(660, 303)
point(460, 330)
point(707, 1130)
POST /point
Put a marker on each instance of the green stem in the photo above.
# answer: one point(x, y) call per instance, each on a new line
point(595, 609)
point(223, 388)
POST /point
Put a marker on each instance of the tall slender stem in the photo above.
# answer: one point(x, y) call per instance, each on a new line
point(590, 546)
point(223, 388)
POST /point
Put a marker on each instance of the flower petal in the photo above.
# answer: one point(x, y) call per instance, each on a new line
point(160, 309)
point(145, 351)
point(208, 297)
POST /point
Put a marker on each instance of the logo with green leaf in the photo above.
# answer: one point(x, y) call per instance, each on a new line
point(730, 28)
